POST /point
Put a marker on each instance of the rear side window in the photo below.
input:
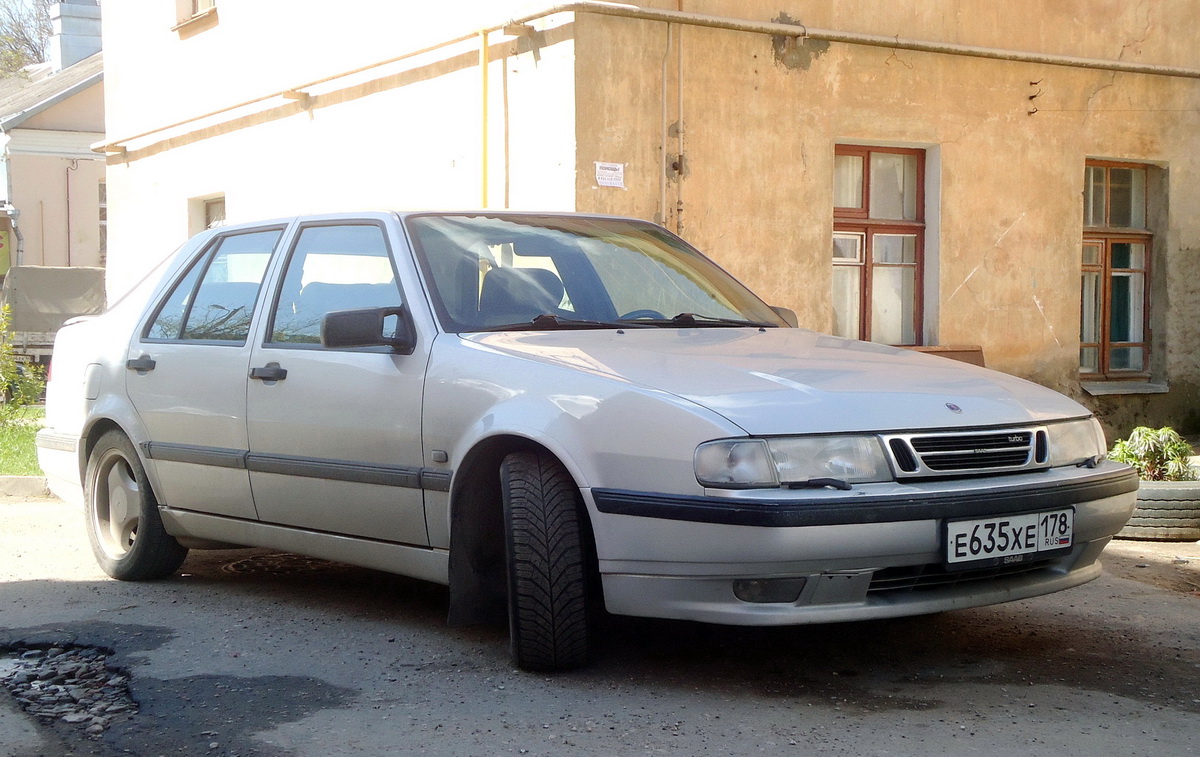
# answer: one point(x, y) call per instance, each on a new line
point(215, 300)
point(332, 268)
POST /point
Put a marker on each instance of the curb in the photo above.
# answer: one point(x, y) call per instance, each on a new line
point(24, 486)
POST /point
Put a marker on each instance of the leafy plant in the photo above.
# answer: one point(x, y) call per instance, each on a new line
point(21, 384)
point(1157, 454)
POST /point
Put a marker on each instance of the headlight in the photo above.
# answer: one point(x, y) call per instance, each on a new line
point(1075, 442)
point(853, 459)
point(735, 464)
point(761, 463)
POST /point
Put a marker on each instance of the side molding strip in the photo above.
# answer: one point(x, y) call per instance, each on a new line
point(405, 477)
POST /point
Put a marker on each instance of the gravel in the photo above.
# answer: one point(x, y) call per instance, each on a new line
point(74, 685)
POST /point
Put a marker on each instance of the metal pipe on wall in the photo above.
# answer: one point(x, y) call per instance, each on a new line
point(483, 86)
point(73, 167)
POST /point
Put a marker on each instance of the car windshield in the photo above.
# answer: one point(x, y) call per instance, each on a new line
point(527, 272)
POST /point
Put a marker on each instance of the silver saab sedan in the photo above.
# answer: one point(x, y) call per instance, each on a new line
point(558, 415)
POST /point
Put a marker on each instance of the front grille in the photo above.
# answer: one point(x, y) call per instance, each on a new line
point(941, 454)
point(933, 577)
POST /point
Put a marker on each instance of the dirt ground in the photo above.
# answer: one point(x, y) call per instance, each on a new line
point(1168, 565)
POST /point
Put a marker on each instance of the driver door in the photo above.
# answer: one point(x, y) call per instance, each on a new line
point(335, 434)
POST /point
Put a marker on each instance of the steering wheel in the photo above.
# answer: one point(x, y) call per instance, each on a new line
point(633, 315)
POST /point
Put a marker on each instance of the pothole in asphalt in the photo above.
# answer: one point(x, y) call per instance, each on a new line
point(283, 564)
point(71, 684)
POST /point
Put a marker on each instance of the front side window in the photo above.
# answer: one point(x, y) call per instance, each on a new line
point(332, 268)
point(1115, 265)
point(214, 301)
point(878, 243)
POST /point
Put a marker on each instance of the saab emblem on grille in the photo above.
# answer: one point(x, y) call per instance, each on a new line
point(953, 407)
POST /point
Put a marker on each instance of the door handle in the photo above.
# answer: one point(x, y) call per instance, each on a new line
point(141, 364)
point(269, 372)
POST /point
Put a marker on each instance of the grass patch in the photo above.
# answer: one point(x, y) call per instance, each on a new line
point(18, 456)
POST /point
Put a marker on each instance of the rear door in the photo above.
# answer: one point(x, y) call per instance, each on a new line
point(186, 375)
point(335, 435)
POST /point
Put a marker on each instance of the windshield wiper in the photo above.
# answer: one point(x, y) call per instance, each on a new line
point(550, 322)
point(696, 319)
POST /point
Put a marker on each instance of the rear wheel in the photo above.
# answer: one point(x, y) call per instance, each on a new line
point(125, 531)
point(548, 565)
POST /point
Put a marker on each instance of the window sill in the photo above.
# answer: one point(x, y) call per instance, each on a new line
point(205, 19)
point(966, 353)
point(1107, 388)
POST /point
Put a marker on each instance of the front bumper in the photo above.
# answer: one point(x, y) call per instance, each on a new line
point(874, 552)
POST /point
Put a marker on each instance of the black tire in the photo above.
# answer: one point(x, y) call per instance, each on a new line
point(123, 525)
point(548, 566)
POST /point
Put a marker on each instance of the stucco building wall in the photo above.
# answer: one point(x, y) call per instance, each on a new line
point(1006, 144)
point(60, 219)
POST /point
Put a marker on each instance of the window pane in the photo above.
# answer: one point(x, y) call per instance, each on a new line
point(224, 302)
point(894, 249)
point(1128, 255)
point(846, 299)
point(333, 268)
point(1089, 320)
point(893, 186)
point(847, 181)
point(892, 303)
point(1125, 310)
point(1093, 196)
point(214, 213)
point(1127, 358)
point(1128, 193)
point(848, 247)
point(1089, 359)
point(1091, 253)
point(169, 320)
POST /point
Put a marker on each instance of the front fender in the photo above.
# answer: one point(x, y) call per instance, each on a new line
point(606, 431)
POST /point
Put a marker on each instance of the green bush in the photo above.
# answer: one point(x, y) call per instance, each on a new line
point(21, 384)
point(1157, 454)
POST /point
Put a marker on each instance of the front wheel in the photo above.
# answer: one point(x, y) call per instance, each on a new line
point(125, 531)
point(548, 566)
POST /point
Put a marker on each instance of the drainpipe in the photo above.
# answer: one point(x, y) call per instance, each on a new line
point(662, 174)
point(483, 110)
point(679, 130)
point(8, 208)
point(67, 177)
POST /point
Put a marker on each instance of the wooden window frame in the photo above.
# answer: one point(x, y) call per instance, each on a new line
point(858, 221)
point(1104, 236)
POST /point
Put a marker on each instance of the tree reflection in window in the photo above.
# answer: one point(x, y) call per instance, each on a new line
point(221, 306)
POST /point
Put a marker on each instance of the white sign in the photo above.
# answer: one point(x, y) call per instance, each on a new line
point(610, 174)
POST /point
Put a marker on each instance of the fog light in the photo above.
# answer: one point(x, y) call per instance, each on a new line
point(768, 589)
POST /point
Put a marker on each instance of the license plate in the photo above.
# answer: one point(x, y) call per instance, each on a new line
point(1010, 538)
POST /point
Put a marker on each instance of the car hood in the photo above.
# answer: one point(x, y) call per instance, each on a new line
point(781, 381)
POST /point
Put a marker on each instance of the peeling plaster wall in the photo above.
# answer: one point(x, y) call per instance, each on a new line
point(761, 118)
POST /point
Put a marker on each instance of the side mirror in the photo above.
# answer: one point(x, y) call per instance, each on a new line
point(788, 315)
point(370, 327)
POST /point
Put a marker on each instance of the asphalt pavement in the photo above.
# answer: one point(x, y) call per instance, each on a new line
point(259, 653)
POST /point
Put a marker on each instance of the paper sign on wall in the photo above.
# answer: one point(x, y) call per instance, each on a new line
point(610, 174)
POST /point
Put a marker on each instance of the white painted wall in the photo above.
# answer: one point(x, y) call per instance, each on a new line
point(406, 136)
